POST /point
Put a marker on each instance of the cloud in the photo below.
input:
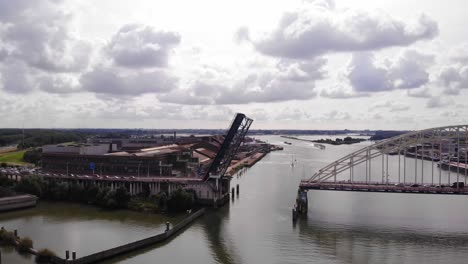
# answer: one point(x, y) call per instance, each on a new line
point(419, 93)
point(107, 81)
point(454, 78)
point(287, 80)
point(437, 102)
point(138, 46)
point(336, 115)
point(340, 92)
point(319, 28)
point(392, 106)
point(36, 42)
point(459, 53)
point(139, 55)
point(36, 32)
point(58, 85)
point(241, 35)
point(16, 78)
point(408, 71)
point(365, 76)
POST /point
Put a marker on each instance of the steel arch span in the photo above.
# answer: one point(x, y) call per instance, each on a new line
point(445, 147)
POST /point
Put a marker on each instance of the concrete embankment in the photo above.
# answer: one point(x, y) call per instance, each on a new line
point(17, 202)
point(246, 162)
point(153, 240)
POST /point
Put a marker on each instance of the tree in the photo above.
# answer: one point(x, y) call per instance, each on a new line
point(32, 156)
point(91, 194)
point(31, 185)
point(180, 200)
point(122, 197)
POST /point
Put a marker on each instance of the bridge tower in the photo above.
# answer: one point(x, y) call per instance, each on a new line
point(215, 175)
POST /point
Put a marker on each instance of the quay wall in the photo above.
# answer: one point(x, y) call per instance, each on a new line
point(109, 253)
point(17, 202)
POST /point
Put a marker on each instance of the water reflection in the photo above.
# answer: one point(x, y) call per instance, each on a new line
point(365, 244)
point(213, 225)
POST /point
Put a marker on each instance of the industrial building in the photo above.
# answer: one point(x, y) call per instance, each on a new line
point(183, 160)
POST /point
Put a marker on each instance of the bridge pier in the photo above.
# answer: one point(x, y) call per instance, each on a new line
point(302, 203)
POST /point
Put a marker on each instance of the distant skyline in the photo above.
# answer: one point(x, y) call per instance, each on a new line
point(323, 64)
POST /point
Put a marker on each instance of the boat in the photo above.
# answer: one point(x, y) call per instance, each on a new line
point(288, 143)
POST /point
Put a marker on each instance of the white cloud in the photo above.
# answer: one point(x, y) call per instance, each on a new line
point(438, 102)
point(287, 80)
point(320, 28)
point(138, 46)
point(408, 71)
point(107, 81)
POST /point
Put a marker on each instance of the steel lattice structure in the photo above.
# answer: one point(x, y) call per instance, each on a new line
point(429, 142)
point(239, 127)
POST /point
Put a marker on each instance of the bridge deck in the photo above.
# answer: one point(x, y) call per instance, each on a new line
point(380, 187)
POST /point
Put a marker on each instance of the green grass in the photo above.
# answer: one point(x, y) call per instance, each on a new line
point(13, 158)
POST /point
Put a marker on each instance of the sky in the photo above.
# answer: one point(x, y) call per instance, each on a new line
point(316, 64)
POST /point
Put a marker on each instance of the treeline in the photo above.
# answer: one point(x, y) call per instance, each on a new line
point(384, 134)
point(339, 141)
point(39, 137)
point(179, 200)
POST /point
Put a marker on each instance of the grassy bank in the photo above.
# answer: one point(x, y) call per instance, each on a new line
point(14, 158)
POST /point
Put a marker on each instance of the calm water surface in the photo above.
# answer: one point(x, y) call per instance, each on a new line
point(256, 227)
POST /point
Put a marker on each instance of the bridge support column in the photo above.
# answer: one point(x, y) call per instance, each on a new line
point(302, 202)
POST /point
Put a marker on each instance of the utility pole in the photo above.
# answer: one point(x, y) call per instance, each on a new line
point(160, 168)
point(23, 138)
point(139, 164)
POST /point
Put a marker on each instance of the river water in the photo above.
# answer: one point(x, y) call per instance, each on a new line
point(256, 227)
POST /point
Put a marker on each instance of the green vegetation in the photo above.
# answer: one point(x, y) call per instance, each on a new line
point(145, 204)
point(13, 158)
point(179, 200)
point(25, 244)
point(6, 192)
point(39, 137)
point(33, 155)
point(7, 238)
point(44, 255)
point(339, 141)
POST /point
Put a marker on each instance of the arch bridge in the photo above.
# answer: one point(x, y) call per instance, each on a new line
point(431, 161)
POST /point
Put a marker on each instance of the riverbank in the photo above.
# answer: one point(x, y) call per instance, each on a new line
point(339, 141)
point(85, 229)
point(245, 162)
point(306, 140)
point(17, 202)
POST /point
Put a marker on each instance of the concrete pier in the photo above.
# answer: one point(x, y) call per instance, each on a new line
point(110, 253)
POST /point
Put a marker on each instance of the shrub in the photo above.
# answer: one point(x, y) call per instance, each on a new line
point(7, 238)
point(3, 165)
point(180, 200)
point(25, 244)
point(44, 255)
point(4, 181)
point(122, 196)
point(5, 192)
point(31, 185)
